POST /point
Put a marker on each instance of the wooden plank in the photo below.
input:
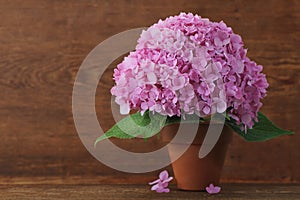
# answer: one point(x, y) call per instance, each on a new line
point(43, 43)
point(118, 192)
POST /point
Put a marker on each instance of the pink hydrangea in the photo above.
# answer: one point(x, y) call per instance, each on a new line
point(189, 65)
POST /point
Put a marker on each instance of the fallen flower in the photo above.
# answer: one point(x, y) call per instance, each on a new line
point(161, 185)
point(211, 189)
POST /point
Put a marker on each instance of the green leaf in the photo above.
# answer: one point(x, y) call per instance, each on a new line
point(144, 126)
point(135, 125)
point(262, 130)
point(148, 125)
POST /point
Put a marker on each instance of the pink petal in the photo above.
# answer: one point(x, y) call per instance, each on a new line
point(154, 182)
point(164, 184)
point(206, 110)
point(168, 180)
point(178, 82)
point(213, 189)
point(163, 190)
point(155, 187)
point(221, 106)
point(217, 189)
point(124, 109)
point(163, 175)
point(151, 78)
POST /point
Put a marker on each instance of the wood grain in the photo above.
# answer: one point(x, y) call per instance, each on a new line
point(43, 43)
point(133, 192)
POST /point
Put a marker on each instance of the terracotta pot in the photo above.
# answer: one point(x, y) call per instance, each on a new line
point(191, 172)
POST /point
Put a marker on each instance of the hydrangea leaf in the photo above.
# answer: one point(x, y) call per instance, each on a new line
point(262, 130)
point(133, 126)
point(145, 125)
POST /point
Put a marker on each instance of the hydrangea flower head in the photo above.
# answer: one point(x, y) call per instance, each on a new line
point(186, 64)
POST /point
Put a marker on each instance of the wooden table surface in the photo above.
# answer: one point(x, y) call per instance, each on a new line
point(128, 192)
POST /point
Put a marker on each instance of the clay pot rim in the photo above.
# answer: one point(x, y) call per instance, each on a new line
point(168, 133)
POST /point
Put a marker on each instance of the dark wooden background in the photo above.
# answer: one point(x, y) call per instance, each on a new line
point(42, 44)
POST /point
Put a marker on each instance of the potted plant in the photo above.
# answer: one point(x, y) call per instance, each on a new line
point(186, 69)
